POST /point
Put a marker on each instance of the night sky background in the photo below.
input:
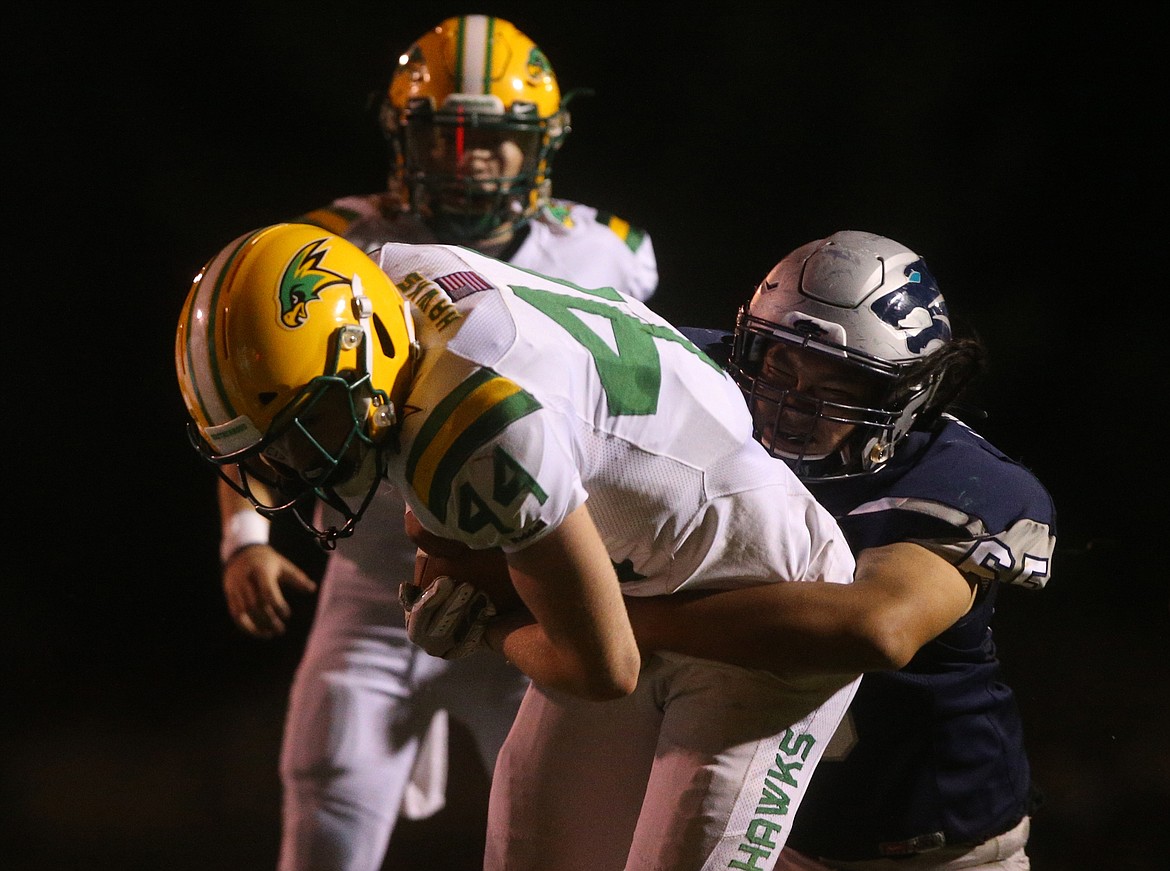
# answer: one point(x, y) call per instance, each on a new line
point(1018, 147)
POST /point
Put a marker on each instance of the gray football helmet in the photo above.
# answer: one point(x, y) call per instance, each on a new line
point(861, 299)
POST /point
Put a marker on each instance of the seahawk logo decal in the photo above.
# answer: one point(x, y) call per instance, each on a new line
point(916, 309)
point(302, 283)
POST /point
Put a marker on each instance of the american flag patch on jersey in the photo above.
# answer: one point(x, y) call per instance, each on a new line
point(461, 284)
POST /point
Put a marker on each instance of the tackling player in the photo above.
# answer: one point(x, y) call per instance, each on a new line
point(846, 356)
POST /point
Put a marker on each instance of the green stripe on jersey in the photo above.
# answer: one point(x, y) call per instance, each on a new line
point(469, 416)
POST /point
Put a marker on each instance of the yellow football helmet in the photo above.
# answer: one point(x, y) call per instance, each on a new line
point(294, 352)
point(475, 114)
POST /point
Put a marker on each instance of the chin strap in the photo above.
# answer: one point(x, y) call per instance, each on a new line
point(328, 537)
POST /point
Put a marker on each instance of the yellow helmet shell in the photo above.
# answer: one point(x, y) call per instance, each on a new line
point(476, 56)
point(273, 310)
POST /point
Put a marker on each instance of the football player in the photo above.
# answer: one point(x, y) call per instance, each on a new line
point(584, 437)
point(846, 356)
point(474, 116)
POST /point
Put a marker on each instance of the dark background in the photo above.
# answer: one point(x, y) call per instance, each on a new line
point(1017, 146)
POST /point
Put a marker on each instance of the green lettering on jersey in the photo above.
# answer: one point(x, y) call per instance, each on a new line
point(474, 513)
point(632, 376)
point(511, 480)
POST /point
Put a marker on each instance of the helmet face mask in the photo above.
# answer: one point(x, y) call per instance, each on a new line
point(317, 441)
point(466, 177)
point(317, 448)
point(813, 406)
point(475, 115)
point(292, 350)
point(832, 353)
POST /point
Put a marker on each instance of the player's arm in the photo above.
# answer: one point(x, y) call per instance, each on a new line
point(902, 596)
point(564, 621)
point(581, 641)
point(254, 572)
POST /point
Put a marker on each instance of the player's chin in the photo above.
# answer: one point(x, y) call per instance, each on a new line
point(355, 475)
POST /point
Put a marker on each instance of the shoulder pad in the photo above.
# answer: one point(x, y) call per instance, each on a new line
point(341, 215)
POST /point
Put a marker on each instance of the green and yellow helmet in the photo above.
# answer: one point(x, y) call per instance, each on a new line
point(475, 113)
point(282, 325)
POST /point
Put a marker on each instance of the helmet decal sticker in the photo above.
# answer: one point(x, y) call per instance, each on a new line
point(414, 63)
point(809, 327)
point(538, 67)
point(301, 283)
point(916, 309)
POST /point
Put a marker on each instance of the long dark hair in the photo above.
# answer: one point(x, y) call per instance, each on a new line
point(955, 366)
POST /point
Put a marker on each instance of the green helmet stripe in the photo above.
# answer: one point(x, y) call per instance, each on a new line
point(212, 360)
point(460, 33)
point(489, 46)
point(474, 41)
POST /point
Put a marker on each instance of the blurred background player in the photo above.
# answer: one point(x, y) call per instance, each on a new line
point(847, 359)
point(474, 117)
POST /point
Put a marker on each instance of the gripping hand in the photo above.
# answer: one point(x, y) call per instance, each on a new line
point(447, 618)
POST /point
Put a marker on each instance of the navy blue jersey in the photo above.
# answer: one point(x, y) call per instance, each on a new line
point(933, 753)
point(937, 753)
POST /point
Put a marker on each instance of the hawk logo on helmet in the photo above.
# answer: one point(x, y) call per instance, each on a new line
point(302, 282)
point(916, 309)
point(539, 69)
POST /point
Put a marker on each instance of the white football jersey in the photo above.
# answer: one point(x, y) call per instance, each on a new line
point(595, 248)
point(534, 395)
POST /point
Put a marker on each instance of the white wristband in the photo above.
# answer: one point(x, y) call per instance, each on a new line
point(243, 528)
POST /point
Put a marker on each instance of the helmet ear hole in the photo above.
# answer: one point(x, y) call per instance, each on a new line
point(385, 342)
point(266, 397)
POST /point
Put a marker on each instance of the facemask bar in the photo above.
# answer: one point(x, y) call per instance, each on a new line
point(268, 480)
point(876, 431)
point(774, 408)
point(488, 202)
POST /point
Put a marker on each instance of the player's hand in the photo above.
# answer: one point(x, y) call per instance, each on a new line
point(252, 582)
point(445, 617)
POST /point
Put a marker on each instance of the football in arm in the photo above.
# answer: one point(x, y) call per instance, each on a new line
point(486, 570)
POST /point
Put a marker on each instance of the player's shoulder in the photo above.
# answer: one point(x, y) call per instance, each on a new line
point(953, 492)
point(368, 220)
point(475, 448)
point(957, 450)
point(458, 270)
point(571, 218)
point(949, 474)
point(339, 215)
point(593, 248)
